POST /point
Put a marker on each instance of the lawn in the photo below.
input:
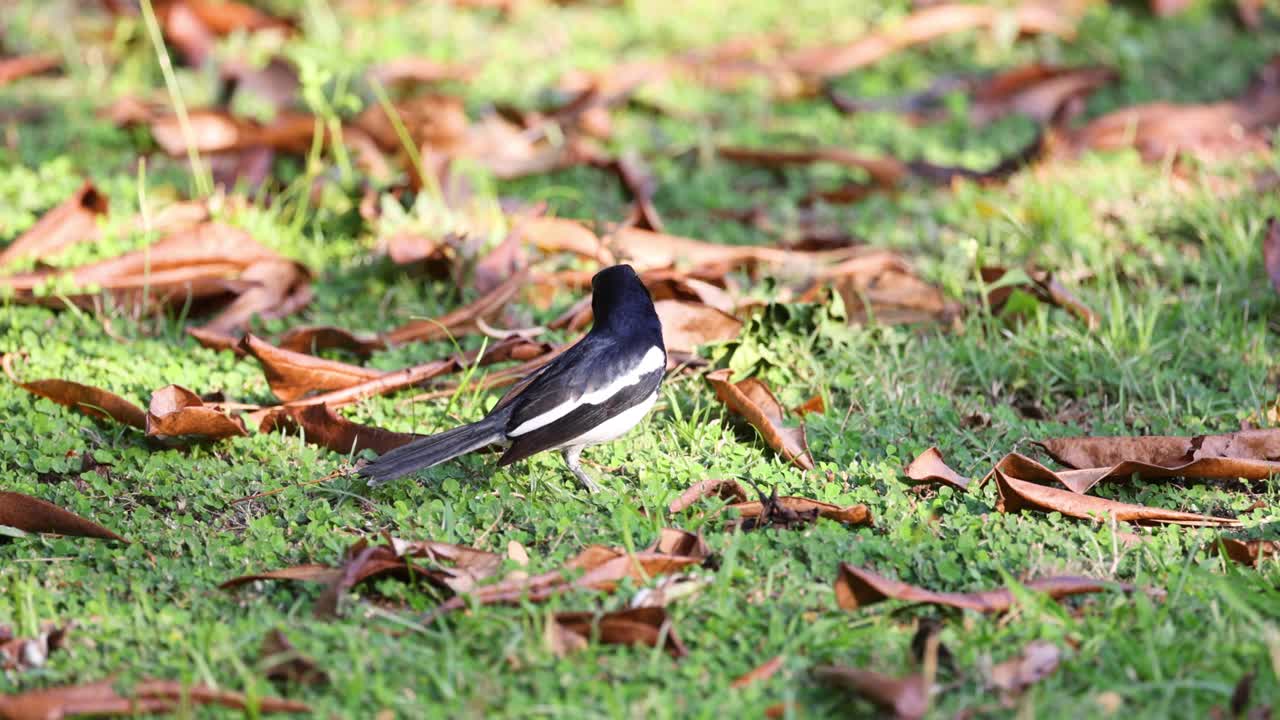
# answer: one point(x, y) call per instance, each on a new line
point(1165, 251)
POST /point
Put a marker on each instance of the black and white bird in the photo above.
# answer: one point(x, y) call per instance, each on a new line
point(594, 392)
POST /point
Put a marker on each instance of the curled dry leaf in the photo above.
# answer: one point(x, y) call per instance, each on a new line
point(1044, 287)
point(272, 289)
point(638, 181)
point(907, 698)
point(857, 587)
point(281, 662)
point(600, 568)
point(37, 516)
point(146, 697)
point(647, 250)
point(72, 222)
point(929, 467)
point(1036, 662)
point(553, 235)
point(457, 323)
point(176, 411)
point(454, 567)
point(292, 375)
point(1248, 552)
point(18, 653)
point(760, 673)
point(1271, 252)
point(1248, 454)
point(647, 626)
point(1159, 130)
point(92, 401)
point(1016, 494)
point(753, 400)
point(14, 68)
point(322, 426)
point(686, 325)
point(923, 26)
point(674, 541)
point(784, 510)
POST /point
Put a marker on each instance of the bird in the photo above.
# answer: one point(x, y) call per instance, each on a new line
point(594, 392)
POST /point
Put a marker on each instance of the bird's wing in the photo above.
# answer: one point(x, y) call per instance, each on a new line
point(593, 381)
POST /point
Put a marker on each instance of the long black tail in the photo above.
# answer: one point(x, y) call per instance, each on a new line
point(431, 451)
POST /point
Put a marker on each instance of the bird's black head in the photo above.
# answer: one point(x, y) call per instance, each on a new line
point(621, 302)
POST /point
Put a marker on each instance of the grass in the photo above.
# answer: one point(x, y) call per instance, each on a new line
point(1188, 344)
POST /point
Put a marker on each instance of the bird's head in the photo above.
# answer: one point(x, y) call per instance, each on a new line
point(620, 300)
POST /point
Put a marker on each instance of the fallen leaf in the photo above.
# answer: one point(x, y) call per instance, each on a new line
point(73, 221)
point(722, 488)
point(1159, 130)
point(1248, 454)
point(753, 400)
point(674, 541)
point(640, 184)
point(146, 697)
point(293, 375)
point(907, 698)
point(647, 626)
point(14, 68)
point(18, 653)
point(504, 261)
point(273, 289)
point(552, 235)
point(280, 661)
point(458, 323)
point(217, 131)
point(92, 401)
point(33, 515)
point(814, 405)
point(857, 587)
point(1037, 661)
point(686, 325)
point(760, 673)
point(1043, 286)
point(176, 411)
point(597, 568)
point(322, 426)
point(1271, 252)
point(790, 512)
point(1016, 494)
point(646, 250)
point(1248, 552)
point(420, 71)
point(929, 467)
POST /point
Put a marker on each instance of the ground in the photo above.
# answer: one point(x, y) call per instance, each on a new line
point(1187, 344)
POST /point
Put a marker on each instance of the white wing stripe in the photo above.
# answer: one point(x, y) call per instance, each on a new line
point(653, 360)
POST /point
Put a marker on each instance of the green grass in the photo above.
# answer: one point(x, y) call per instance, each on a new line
point(1187, 344)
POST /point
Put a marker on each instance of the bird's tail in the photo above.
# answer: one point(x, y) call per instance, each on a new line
point(431, 451)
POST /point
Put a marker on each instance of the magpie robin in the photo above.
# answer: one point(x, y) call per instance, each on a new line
point(594, 392)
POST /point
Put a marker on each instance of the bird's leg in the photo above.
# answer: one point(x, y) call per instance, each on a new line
point(571, 455)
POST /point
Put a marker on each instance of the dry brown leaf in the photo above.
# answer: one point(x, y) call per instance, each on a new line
point(216, 131)
point(273, 289)
point(929, 467)
point(322, 426)
point(92, 401)
point(420, 71)
point(674, 541)
point(647, 626)
point(74, 221)
point(788, 511)
point(1160, 130)
point(1248, 454)
point(760, 673)
point(1044, 287)
point(722, 488)
point(814, 405)
point(925, 25)
point(1036, 662)
point(37, 516)
point(1016, 494)
point(176, 411)
point(14, 68)
point(687, 325)
point(1271, 252)
point(293, 375)
point(646, 250)
point(458, 323)
point(857, 587)
point(638, 181)
point(601, 570)
point(1248, 552)
point(504, 261)
point(1040, 92)
point(907, 698)
point(753, 400)
point(146, 697)
point(17, 653)
point(553, 235)
point(280, 661)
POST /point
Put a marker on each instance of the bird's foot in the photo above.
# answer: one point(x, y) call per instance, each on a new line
point(571, 458)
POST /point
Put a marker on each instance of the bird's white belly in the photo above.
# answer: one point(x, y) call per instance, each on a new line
point(616, 426)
